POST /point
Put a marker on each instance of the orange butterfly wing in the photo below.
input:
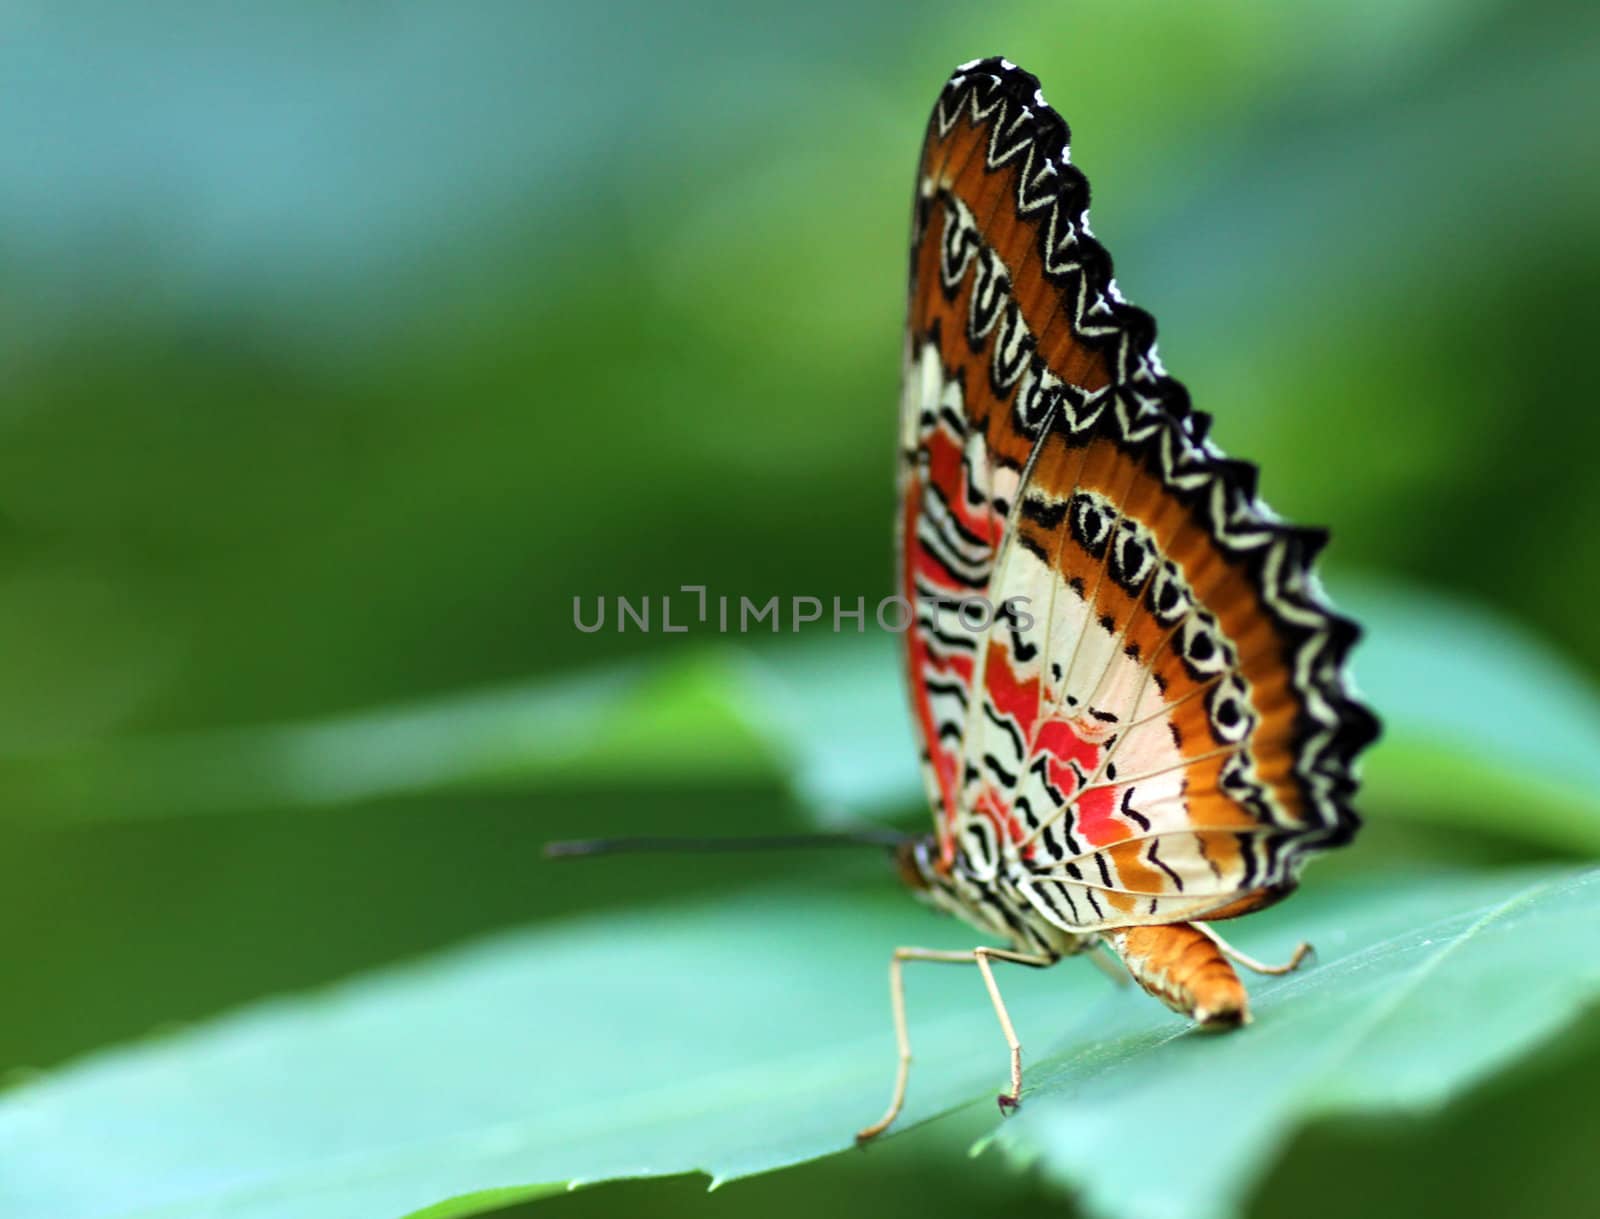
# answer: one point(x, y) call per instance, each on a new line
point(1157, 726)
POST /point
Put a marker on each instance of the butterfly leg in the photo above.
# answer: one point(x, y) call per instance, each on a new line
point(1301, 952)
point(897, 999)
point(897, 1002)
point(1008, 1100)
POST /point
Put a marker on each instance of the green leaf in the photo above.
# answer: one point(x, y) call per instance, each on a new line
point(828, 717)
point(1156, 1125)
point(682, 719)
point(1484, 725)
point(744, 1035)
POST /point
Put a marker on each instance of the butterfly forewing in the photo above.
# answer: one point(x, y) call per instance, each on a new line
point(1155, 726)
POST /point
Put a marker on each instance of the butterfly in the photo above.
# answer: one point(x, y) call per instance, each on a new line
point(1155, 731)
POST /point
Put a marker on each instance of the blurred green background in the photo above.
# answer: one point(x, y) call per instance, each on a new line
point(344, 344)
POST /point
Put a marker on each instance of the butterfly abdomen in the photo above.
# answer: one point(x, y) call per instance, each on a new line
point(1182, 967)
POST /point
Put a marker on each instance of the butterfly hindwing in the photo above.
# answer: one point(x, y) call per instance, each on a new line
point(1155, 726)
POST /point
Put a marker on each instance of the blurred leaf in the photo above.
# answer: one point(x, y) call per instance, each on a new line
point(654, 723)
point(828, 715)
point(693, 1038)
point(1484, 725)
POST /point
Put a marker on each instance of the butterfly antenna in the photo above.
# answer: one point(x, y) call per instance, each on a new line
point(645, 844)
